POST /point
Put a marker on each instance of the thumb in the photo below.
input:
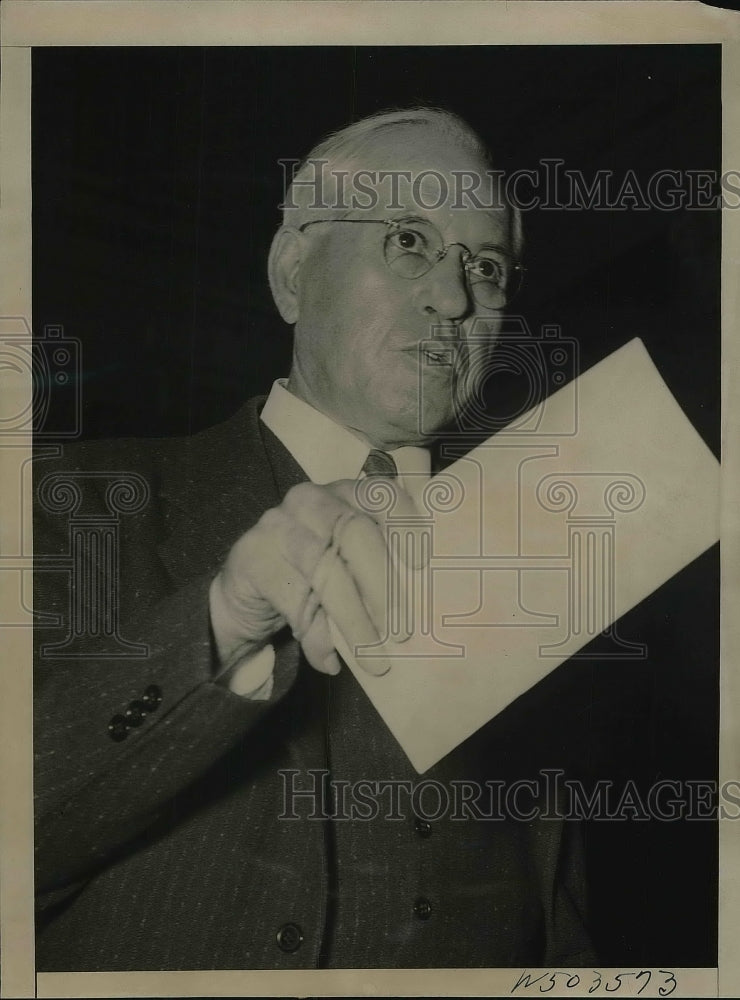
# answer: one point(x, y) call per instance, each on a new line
point(386, 502)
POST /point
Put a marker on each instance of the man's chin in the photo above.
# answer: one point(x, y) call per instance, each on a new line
point(412, 425)
point(428, 426)
point(401, 434)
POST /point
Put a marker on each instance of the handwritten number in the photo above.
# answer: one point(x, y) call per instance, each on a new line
point(619, 978)
point(547, 981)
point(645, 972)
point(664, 992)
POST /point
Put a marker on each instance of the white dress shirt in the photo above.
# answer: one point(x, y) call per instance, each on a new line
point(326, 452)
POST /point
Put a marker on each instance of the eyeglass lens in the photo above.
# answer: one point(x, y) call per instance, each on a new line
point(413, 247)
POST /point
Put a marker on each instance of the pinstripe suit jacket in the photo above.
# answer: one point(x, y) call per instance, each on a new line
point(166, 850)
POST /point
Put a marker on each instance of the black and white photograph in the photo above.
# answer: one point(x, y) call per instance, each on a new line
point(375, 503)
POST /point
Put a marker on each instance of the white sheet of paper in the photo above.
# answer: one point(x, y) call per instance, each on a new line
point(559, 527)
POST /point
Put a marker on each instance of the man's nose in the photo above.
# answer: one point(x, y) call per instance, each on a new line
point(444, 289)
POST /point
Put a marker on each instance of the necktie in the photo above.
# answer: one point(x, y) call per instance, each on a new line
point(379, 463)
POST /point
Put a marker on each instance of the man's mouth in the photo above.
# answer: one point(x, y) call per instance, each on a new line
point(436, 357)
point(441, 355)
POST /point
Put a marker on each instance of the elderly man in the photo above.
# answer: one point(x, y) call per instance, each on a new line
point(188, 808)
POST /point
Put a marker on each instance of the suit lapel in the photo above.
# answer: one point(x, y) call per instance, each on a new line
point(216, 485)
point(286, 472)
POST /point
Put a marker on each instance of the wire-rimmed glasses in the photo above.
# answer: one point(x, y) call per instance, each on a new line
point(413, 246)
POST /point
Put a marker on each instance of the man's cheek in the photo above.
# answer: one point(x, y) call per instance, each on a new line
point(436, 406)
point(475, 366)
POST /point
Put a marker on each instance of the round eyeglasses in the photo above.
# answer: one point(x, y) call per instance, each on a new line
point(413, 246)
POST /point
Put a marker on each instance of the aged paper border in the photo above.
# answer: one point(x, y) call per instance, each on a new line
point(27, 23)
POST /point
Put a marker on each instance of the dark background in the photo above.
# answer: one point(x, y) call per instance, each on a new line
point(155, 192)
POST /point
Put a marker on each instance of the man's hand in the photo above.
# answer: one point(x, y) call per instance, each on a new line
point(316, 556)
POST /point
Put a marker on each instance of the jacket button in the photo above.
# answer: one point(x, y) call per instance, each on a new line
point(135, 713)
point(423, 828)
point(117, 728)
point(423, 908)
point(152, 698)
point(289, 937)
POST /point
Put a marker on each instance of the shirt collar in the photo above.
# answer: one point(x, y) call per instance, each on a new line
point(325, 450)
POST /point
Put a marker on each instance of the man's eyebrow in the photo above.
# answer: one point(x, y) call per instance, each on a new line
point(496, 247)
point(411, 218)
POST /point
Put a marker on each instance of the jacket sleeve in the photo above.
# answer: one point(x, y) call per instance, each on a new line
point(118, 733)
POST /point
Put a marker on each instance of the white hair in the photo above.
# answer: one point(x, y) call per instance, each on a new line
point(348, 147)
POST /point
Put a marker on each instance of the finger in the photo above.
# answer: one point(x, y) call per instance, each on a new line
point(301, 608)
point(385, 502)
point(318, 646)
point(333, 594)
point(279, 561)
point(343, 604)
point(407, 548)
point(359, 493)
point(358, 539)
point(378, 571)
point(301, 573)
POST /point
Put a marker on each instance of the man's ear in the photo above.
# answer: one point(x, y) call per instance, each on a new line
point(283, 265)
